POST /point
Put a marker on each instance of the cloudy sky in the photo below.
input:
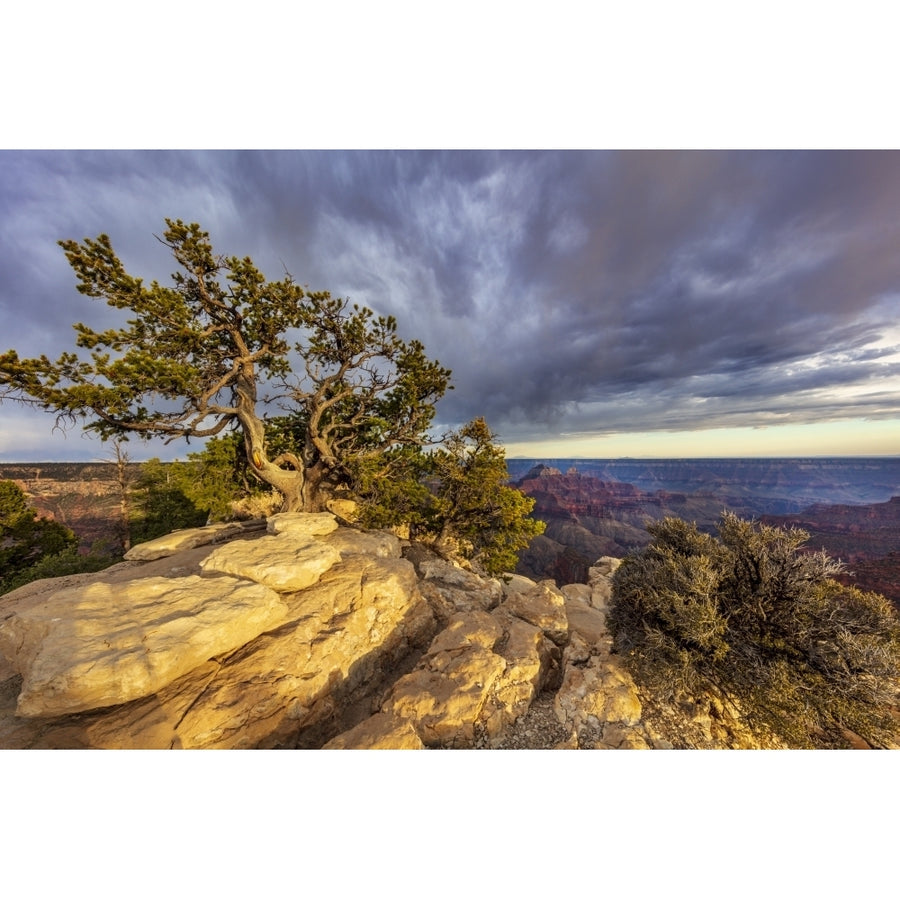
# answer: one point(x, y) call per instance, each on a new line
point(655, 303)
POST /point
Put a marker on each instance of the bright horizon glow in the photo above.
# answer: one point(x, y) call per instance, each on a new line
point(27, 443)
point(854, 437)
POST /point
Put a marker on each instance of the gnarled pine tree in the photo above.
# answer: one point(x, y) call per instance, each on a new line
point(195, 356)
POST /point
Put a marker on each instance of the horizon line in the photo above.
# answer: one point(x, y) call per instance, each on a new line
point(891, 456)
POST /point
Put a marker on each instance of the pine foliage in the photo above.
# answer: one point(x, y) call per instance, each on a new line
point(33, 547)
point(455, 495)
point(195, 357)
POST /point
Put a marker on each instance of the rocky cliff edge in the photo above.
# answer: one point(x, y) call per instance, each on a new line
point(298, 632)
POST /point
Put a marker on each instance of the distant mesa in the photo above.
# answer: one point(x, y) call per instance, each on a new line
point(542, 471)
point(849, 507)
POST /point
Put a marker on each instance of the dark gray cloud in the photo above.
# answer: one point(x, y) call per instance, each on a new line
point(570, 292)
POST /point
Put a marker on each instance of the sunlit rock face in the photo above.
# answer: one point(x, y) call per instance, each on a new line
point(191, 658)
point(308, 524)
point(357, 622)
point(188, 538)
point(105, 644)
point(479, 675)
point(288, 562)
point(382, 731)
point(541, 605)
point(300, 633)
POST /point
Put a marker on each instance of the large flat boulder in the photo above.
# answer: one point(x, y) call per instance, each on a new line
point(188, 538)
point(342, 638)
point(104, 644)
point(350, 542)
point(302, 524)
point(345, 633)
point(290, 561)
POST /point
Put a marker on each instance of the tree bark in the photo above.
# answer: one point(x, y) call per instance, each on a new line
point(289, 482)
point(316, 488)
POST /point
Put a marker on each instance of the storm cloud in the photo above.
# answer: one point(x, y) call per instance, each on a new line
point(571, 292)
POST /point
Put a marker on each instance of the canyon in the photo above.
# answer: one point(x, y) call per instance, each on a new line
point(849, 507)
point(596, 507)
point(82, 496)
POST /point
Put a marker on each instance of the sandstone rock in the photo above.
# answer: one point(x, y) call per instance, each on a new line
point(302, 524)
point(701, 722)
point(348, 541)
point(449, 588)
point(601, 594)
point(570, 743)
point(444, 699)
point(517, 584)
point(618, 737)
point(589, 623)
point(287, 687)
point(104, 644)
point(178, 565)
point(145, 724)
point(7, 672)
point(528, 656)
point(577, 592)
point(330, 656)
point(433, 568)
point(382, 731)
point(289, 562)
point(478, 676)
point(541, 605)
point(622, 702)
point(595, 694)
point(472, 629)
point(606, 565)
point(346, 632)
point(600, 581)
point(343, 509)
point(578, 650)
point(188, 538)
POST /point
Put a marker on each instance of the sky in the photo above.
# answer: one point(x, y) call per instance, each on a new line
point(589, 303)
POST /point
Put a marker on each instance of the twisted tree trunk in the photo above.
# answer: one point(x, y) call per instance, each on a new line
point(286, 473)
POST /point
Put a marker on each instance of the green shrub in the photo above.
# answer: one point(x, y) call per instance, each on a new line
point(160, 503)
point(753, 618)
point(66, 562)
point(456, 496)
point(25, 538)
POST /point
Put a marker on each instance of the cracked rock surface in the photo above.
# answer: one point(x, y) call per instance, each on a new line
point(300, 632)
